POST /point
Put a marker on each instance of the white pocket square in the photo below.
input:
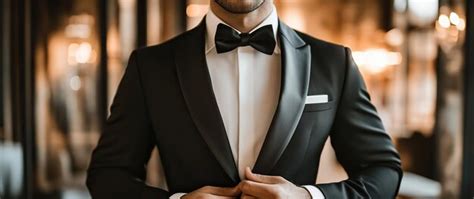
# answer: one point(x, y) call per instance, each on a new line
point(316, 99)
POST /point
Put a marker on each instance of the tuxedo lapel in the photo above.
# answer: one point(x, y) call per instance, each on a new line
point(197, 89)
point(296, 60)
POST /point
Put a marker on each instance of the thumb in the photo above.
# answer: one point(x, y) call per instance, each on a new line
point(259, 178)
point(221, 191)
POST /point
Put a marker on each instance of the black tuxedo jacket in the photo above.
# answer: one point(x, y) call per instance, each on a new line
point(165, 99)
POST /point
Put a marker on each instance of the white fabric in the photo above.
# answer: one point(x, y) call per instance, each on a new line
point(177, 195)
point(246, 84)
point(316, 99)
point(314, 191)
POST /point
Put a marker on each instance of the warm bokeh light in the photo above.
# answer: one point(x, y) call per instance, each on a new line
point(449, 28)
point(79, 26)
point(462, 25)
point(395, 37)
point(196, 10)
point(71, 52)
point(83, 53)
point(443, 21)
point(423, 12)
point(376, 60)
point(75, 83)
point(294, 17)
point(454, 18)
point(80, 53)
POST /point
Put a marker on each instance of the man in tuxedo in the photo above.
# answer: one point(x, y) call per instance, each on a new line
point(241, 106)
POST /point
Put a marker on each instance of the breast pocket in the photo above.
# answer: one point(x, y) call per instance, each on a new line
point(318, 106)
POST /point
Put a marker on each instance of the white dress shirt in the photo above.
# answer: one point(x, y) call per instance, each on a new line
point(246, 84)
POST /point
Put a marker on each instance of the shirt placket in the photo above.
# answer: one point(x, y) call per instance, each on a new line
point(246, 125)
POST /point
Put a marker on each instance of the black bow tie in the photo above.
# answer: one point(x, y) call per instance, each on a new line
point(228, 39)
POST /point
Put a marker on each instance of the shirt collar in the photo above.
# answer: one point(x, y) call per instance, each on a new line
point(212, 21)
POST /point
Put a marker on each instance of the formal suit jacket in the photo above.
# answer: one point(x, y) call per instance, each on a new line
point(165, 99)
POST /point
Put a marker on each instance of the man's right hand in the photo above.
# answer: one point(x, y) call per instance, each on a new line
point(210, 192)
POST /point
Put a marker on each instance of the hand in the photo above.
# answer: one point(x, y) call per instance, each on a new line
point(245, 196)
point(210, 192)
point(264, 186)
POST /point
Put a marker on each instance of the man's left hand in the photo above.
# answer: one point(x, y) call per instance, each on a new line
point(265, 186)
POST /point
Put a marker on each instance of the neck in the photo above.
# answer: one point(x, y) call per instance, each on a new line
point(243, 22)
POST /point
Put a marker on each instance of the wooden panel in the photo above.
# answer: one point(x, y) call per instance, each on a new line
point(18, 66)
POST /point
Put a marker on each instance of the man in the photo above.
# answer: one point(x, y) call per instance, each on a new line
point(243, 90)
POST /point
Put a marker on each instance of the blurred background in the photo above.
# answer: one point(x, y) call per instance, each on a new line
point(61, 62)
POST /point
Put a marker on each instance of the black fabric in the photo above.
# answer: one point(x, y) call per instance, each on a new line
point(228, 39)
point(166, 100)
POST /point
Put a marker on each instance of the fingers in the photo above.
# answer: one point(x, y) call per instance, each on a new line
point(256, 189)
point(256, 186)
point(220, 197)
point(262, 178)
point(211, 196)
point(245, 196)
point(221, 191)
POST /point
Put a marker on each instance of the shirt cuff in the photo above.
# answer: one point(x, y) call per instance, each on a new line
point(177, 195)
point(314, 192)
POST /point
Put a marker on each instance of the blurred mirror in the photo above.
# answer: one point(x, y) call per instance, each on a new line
point(66, 77)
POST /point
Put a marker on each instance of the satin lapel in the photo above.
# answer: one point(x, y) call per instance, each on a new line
point(197, 89)
point(296, 61)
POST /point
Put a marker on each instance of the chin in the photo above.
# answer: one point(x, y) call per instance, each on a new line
point(240, 6)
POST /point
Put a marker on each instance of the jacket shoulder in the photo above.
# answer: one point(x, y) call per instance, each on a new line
point(161, 48)
point(329, 59)
point(320, 44)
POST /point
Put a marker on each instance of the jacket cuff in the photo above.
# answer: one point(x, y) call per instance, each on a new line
point(314, 192)
point(177, 195)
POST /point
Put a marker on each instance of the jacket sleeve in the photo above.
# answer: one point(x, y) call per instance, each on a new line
point(361, 144)
point(118, 164)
